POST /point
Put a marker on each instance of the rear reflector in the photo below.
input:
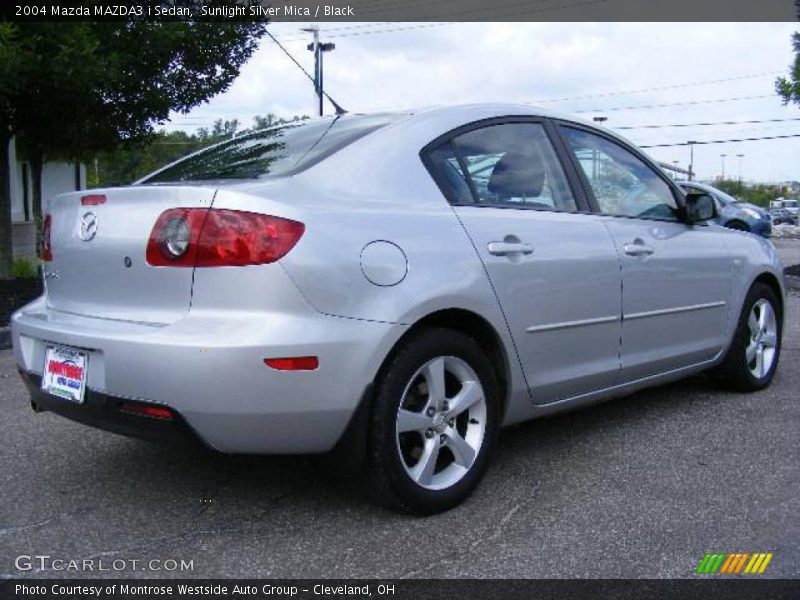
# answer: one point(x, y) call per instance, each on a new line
point(208, 237)
point(294, 363)
point(147, 410)
point(93, 200)
point(45, 249)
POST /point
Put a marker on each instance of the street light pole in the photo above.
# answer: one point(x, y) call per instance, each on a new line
point(595, 169)
point(314, 47)
point(740, 157)
point(691, 158)
point(318, 49)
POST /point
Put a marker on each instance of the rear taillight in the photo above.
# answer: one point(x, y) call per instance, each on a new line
point(173, 241)
point(45, 249)
point(203, 237)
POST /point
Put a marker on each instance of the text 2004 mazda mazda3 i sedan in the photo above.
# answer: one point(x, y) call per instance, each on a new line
point(399, 286)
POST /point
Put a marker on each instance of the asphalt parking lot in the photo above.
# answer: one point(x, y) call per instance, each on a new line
point(638, 487)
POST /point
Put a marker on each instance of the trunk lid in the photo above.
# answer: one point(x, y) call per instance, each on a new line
point(99, 268)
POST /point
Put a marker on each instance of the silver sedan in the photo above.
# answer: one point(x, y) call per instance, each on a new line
point(393, 287)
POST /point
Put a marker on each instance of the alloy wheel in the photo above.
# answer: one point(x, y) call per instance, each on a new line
point(761, 348)
point(441, 423)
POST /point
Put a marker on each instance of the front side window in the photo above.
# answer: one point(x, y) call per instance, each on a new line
point(508, 165)
point(622, 183)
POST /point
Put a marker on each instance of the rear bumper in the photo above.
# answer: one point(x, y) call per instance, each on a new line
point(104, 412)
point(208, 367)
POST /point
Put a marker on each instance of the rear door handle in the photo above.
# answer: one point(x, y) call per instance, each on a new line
point(506, 248)
point(638, 248)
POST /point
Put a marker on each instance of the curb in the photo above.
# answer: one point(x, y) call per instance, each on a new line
point(5, 338)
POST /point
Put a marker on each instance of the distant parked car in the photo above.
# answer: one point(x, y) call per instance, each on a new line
point(733, 213)
point(782, 216)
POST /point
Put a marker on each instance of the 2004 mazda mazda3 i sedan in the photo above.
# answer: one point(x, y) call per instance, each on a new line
point(399, 286)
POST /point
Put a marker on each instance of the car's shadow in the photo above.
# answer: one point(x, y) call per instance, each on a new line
point(255, 484)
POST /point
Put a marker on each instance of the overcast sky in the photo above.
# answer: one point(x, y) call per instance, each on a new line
point(378, 66)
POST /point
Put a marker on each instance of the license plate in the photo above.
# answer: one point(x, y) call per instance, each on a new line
point(64, 373)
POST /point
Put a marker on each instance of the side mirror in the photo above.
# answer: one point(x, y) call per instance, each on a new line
point(699, 207)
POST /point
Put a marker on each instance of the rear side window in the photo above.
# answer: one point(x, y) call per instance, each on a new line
point(272, 152)
point(507, 165)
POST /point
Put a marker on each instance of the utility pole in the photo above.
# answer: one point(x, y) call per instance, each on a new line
point(740, 157)
point(314, 31)
point(691, 158)
point(722, 156)
point(318, 49)
point(595, 168)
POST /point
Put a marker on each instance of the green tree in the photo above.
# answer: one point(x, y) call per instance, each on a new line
point(13, 62)
point(759, 194)
point(788, 88)
point(71, 90)
point(221, 130)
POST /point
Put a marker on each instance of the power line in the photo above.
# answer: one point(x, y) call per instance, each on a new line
point(754, 121)
point(374, 31)
point(391, 7)
point(362, 3)
point(495, 13)
point(668, 104)
point(661, 88)
point(495, 10)
point(359, 26)
point(732, 141)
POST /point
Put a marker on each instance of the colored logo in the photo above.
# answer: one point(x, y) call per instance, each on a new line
point(737, 563)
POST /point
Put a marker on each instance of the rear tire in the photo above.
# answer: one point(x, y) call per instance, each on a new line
point(752, 357)
point(434, 422)
point(737, 226)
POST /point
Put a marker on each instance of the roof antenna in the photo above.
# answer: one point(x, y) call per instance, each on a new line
point(339, 110)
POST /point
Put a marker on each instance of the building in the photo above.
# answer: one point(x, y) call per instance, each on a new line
point(57, 178)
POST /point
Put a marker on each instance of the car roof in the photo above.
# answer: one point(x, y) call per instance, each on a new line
point(444, 118)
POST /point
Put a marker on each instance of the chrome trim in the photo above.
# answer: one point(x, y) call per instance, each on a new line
point(672, 311)
point(570, 324)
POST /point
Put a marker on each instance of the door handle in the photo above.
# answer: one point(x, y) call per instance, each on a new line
point(638, 248)
point(506, 248)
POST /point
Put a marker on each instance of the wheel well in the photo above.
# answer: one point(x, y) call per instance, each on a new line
point(350, 450)
point(770, 280)
point(738, 222)
point(476, 327)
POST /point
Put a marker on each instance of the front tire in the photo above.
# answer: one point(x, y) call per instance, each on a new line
point(752, 357)
point(434, 422)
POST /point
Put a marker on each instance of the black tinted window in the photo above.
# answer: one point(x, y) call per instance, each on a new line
point(271, 152)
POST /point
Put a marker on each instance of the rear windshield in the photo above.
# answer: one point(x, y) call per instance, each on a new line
point(272, 152)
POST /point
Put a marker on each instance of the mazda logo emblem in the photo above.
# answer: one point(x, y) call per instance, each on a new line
point(88, 227)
